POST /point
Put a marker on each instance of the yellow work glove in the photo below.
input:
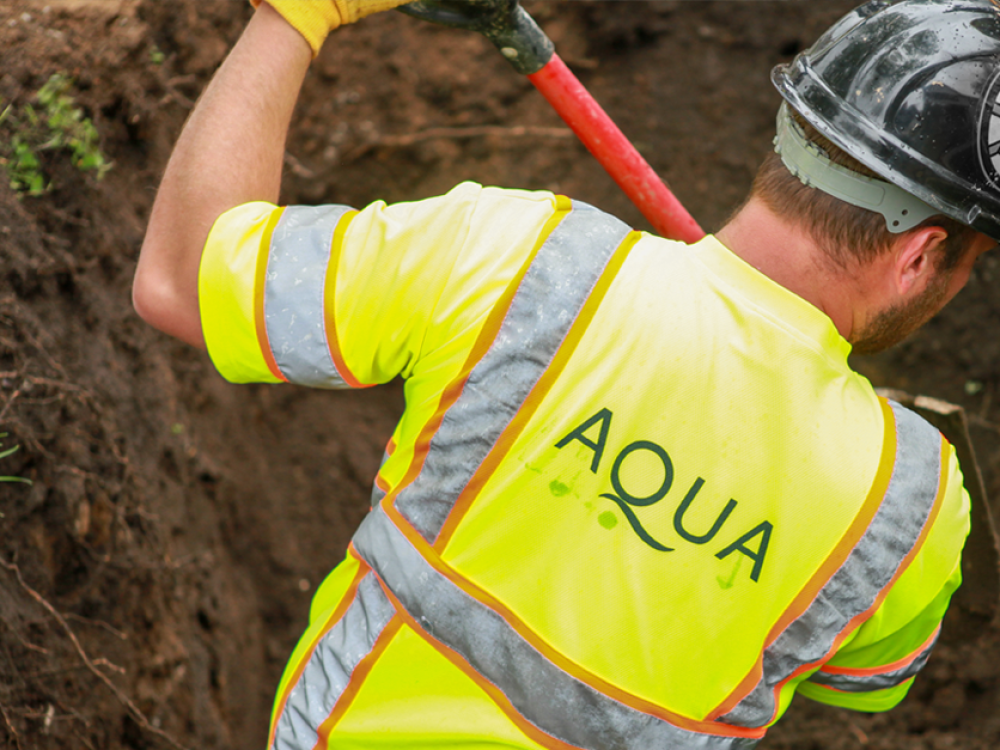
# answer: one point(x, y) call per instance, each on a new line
point(314, 19)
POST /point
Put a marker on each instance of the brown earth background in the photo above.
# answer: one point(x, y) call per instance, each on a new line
point(157, 572)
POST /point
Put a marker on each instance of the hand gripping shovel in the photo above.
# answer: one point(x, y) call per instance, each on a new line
point(524, 44)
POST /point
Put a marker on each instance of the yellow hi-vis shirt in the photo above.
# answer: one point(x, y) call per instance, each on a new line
point(637, 498)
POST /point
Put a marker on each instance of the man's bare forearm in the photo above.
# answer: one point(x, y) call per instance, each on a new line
point(229, 152)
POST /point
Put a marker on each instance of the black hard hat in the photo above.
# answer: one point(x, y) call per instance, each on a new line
point(911, 90)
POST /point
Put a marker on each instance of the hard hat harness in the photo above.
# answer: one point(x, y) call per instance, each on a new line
point(807, 161)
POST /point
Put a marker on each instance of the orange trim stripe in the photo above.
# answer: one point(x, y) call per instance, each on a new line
point(260, 276)
point(495, 694)
point(833, 562)
point(358, 677)
point(329, 299)
point(380, 481)
point(482, 345)
point(538, 392)
point(332, 620)
point(572, 668)
point(904, 564)
point(885, 668)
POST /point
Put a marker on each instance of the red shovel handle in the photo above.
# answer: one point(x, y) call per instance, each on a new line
point(524, 44)
point(612, 149)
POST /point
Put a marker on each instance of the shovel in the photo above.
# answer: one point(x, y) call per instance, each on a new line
point(524, 44)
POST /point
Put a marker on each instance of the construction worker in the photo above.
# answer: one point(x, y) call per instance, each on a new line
point(637, 498)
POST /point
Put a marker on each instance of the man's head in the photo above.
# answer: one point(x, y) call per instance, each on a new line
point(849, 234)
point(889, 324)
point(889, 146)
point(904, 278)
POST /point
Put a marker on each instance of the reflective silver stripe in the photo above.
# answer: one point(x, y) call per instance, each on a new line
point(553, 700)
point(329, 669)
point(864, 683)
point(293, 294)
point(547, 302)
point(868, 569)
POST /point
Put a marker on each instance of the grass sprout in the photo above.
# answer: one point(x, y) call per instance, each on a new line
point(4, 454)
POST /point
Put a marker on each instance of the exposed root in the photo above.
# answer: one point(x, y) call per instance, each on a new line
point(858, 733)
point(27, 644)
point(10, 727)
point(90, 664)
point(31, 381)
point(173, 95)
point(99, 623)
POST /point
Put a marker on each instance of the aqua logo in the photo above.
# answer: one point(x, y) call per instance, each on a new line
point(594, 433)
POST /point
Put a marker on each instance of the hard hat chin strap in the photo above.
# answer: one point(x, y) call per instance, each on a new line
point(808, 162)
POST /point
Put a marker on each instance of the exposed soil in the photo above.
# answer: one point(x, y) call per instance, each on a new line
point(158, 570)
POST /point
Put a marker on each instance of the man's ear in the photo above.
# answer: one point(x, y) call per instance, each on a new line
point(914, 257)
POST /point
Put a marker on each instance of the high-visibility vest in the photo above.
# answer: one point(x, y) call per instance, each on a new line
point(649, 503)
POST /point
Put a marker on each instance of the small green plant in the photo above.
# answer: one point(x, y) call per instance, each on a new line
point(156, 55)
point(57, 124)
point(69, 128)
point(24, 169)
point(4, 454)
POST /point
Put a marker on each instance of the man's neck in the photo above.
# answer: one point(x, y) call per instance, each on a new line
point(790, 257)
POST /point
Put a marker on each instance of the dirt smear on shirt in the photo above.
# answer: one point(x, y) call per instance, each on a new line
point(157, 572)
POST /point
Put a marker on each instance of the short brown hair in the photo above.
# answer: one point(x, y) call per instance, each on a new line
point(847, 234)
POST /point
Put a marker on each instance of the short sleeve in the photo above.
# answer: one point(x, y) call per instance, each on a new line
point(329, 297)
point(875, 667)
point(228, 283)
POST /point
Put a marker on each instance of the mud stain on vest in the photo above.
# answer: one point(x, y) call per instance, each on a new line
point(727, 583)
point(607, 519)
point(559, 489)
